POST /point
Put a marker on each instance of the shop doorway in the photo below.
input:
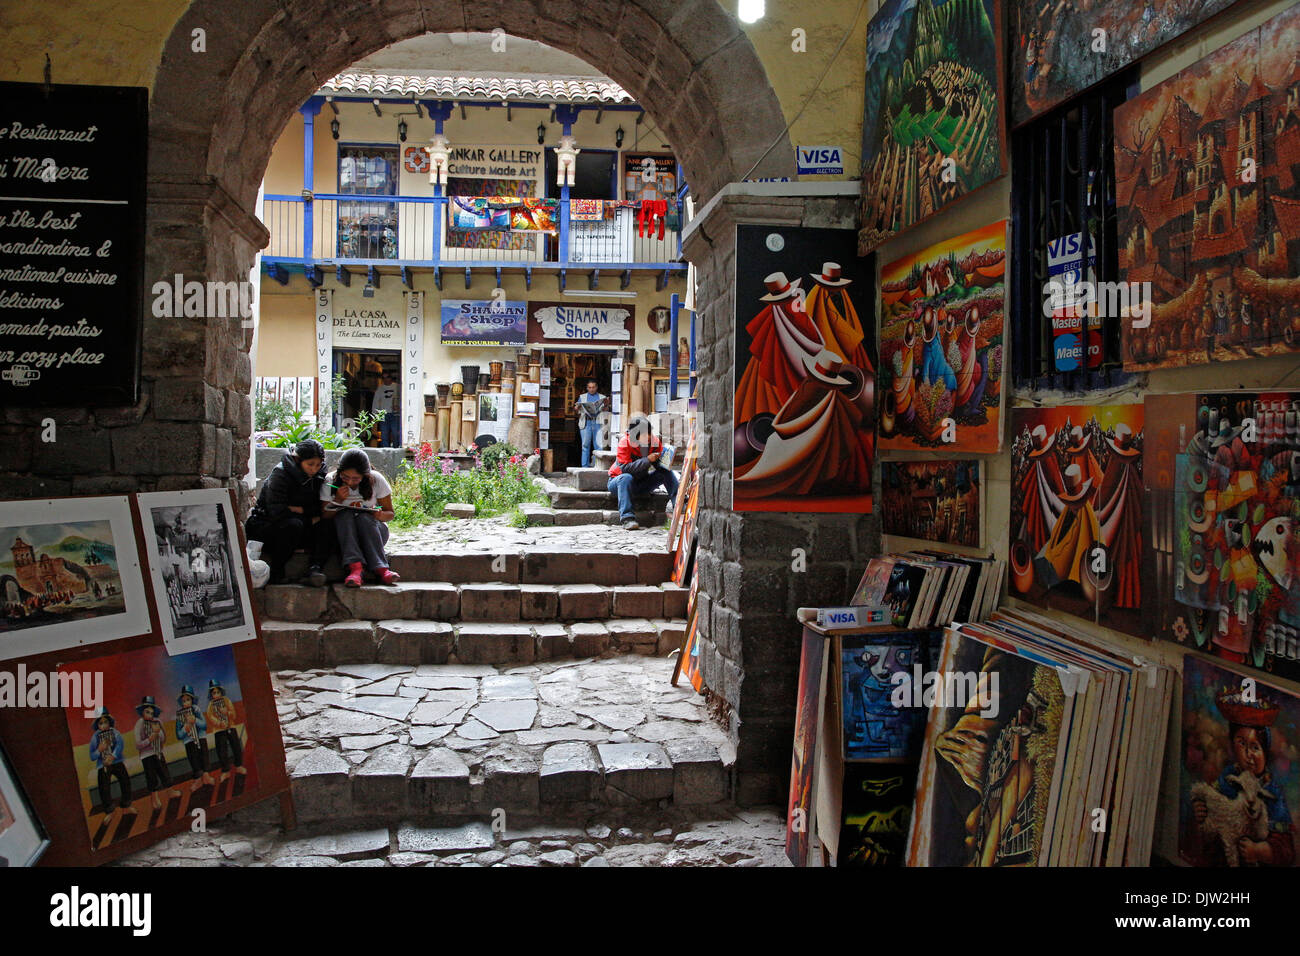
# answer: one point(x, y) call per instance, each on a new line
point(372, 381)
point(570, 372)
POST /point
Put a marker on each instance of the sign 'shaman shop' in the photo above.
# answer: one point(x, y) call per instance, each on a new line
point(561, 323)
point(71, 244)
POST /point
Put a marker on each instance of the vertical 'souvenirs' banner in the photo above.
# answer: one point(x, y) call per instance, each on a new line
point(72, 175)
point(413, 371)
point(324, 354)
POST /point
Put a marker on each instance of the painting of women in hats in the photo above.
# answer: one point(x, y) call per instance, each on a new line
point(804, 412)
point(166, 743)
point(1238, 782)
point(1077, 534)
point(941, 345)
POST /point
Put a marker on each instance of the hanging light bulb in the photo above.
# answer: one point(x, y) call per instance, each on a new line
point(334, 128)
point(401, 130)
point(618, 138)
point(541, 133)
point(750, 11)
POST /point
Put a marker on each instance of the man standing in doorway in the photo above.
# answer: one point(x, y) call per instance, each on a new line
point(390, 429)
point(637, 470)
point(589, 406)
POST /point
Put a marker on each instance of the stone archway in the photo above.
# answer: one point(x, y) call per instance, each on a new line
point(214, 117)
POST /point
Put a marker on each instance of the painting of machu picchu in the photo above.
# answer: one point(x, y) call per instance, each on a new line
point(932, 130)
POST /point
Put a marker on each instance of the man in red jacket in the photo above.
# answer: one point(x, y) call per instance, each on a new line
point(637, 471)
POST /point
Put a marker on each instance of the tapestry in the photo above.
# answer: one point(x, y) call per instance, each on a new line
point(1209, 206)
point(497, 237)
point(933, 129)
point(943, 345)
point(804, 379)
point(1077, 538)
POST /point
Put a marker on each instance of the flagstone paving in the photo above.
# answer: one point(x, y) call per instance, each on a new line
point(496, 534)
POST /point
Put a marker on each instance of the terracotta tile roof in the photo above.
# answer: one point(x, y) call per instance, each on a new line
point(1214, 247)
point(550, 89)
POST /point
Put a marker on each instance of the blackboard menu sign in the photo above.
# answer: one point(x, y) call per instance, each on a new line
point(72, 192)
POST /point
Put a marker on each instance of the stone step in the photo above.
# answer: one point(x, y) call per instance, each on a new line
point(590, 479)
point(407, 744)
point(444, 601)
point(536, 565)
point(407, 641)
point(542, 516)
point(571, 499)
point(605, 459)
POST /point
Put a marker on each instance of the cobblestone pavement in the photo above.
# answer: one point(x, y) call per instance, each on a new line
point(712, 836)
point(496, 534)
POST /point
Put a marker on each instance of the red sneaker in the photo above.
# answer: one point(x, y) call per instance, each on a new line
point(387, 576)
point(353, 580)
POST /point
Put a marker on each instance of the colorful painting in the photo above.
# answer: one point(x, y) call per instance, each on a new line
point(170, 737)
point(1239, 773)
point(798, 818)
point(986, 781)
point(69, 574)
point(876, 727)
point(932, 500)
point(877, 813)
point(1077, 534)
point(1059, 51)
point(933, 129)
point(486, 235)
point(805, 410)
point(22, 839)
point(199, 578)
point(1209, 205)
point(943, 343)
point(1225, 498)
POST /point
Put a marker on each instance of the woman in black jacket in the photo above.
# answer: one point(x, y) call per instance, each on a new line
point(287, 514)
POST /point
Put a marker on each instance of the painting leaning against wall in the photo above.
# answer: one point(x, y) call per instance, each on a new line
point(933, 130)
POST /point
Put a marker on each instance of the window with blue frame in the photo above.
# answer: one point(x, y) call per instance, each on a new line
point(368, 230)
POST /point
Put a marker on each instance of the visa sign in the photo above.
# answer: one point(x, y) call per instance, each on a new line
point(820, 160)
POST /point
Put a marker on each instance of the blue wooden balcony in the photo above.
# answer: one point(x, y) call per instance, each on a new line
point(368, 234)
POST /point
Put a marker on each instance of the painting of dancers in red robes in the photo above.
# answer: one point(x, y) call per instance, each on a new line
point(1077, 538)
point(1224, 498)
point(804, 414)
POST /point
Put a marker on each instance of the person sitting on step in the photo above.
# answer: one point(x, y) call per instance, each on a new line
point(359, 504)
point(288, 512)
point(638, 471)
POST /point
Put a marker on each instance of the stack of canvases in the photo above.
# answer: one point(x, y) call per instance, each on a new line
point(1043, 748)
point(931, 588)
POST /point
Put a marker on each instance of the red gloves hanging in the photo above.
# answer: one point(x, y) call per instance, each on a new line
point(651, 209)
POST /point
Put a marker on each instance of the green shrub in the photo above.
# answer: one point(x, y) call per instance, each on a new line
point(421, 491)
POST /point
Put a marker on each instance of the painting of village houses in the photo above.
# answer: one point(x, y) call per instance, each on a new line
point(932, 130)
point(58, 572)
point(200, 586)
point(932, 500)
point(942, 344)
point(1206, 168)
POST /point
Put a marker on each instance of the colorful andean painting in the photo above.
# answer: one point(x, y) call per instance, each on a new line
point(932, 500)
point(1224, 492)
point(1077, 539)
point(942, 345)
point(803, 764)
point(877, 812)
point(1058, 52)
point(876, 725)
point(171, 737)
point(933, 128)
point(1209, 204)
point(1239, 773)
point(986, 781)
point(69, 574)
point(805, 411)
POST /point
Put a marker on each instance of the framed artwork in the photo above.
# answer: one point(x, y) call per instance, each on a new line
point(1077, 505)
point(876, 726)
point(198, 570)
point(1060, 49)
point(1209, 206)
point(1239, 777)
point(70, 574)
point(289, 391)
point(171, 735)
point(268, 389)
point(943, 345)
point(22, 839)
point(933, 129)
point(306, 395)
point(1223, 490)
point(804, 378)
point(933, 500)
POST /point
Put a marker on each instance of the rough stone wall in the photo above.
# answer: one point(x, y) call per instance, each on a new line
point(749, 589)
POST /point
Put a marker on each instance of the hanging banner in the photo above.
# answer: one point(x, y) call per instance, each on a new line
point(324, 355)
point(413, 369)
point(484, 322)
point(558, 323)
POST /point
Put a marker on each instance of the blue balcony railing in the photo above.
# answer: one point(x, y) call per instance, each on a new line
point(344, 230)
